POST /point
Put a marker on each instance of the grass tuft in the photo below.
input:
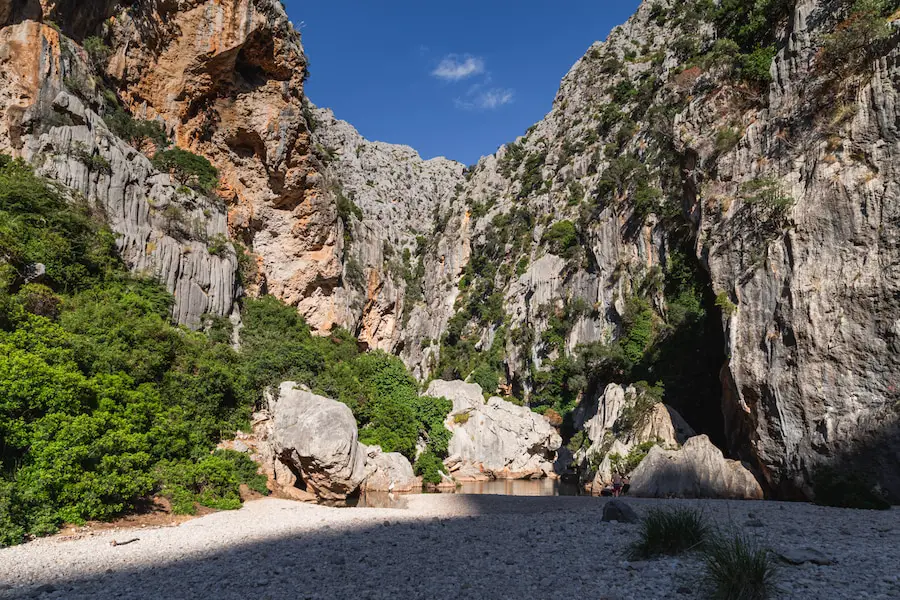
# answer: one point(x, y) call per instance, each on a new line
point(670, 532)
point(738, 568)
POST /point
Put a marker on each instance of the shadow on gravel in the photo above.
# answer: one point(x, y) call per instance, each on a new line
point(498, 553)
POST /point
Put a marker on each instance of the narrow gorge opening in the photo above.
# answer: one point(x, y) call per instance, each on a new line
point(688, 358)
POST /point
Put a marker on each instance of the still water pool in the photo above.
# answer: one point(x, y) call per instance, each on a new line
point(535, 487)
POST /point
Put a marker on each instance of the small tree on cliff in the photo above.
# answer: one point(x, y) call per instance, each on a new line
point(188, 169)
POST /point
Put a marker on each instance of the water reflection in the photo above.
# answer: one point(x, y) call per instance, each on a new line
point(520, 487)
point(505, 487)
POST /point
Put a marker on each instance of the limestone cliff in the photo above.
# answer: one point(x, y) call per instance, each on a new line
point(398, 284)
point(164, 229)
point(785, 193)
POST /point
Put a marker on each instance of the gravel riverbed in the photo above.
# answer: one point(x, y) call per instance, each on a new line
point(437, 546)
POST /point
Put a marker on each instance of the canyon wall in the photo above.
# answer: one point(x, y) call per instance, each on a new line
point(673, 218)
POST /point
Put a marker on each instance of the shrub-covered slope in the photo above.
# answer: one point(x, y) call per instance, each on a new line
point(104, 403)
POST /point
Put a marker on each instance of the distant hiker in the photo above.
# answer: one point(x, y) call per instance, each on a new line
point(617, 485)
point(626, 485)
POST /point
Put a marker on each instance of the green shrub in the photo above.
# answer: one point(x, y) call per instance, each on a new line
point(726, 139)
point(738, 568)
point(637, 322)
point(670, 532)
point(561, 237)
point(97, 51)
point(40, 300)
point(218, 245)
point(485, 376)
point(637, 410)
point(134, 131)
point(213, 481)
point(11, 530)
point(510, 162)
point(347, 207)
point(751, 25)
point(846, 489)
point(856, 42)
point(522, 266)
point(725, 304)
point(623, 91)
point(756, 67)
point(768, 199)
point(532, 178)
point(188, 169)
point(38, 226)
point(94, 162)
point(646, 200)
point(577, 441)
point(628, 463)
point(430, 467)
point(461, 418)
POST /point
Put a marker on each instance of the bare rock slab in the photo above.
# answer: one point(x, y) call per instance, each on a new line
point(697, 470)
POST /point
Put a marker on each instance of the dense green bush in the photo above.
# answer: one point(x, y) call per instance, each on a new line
point(37, 226)
point(629, 462)
point(213, 481)
point(189, 169)
point(637, 325)
point(430, 467)
point(487, 377)
point(97, 51)
point(562, 238)
point(134, 131)
point(751, 25)
point(857, 41)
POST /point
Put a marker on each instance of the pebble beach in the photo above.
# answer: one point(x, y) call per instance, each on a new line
point(458, 546)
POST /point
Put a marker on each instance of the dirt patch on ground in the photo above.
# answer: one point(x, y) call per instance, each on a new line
point(153, 513)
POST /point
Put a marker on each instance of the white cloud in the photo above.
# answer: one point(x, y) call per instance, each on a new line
point(495, 98)
point(487, 100)
point(457, 68)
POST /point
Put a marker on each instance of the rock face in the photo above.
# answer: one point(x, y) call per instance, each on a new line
point(611, 435)
point(163, 230)
point(495, 439)
point(316, 438)
point(697, 470)
point(389, 472)
point(398, 285)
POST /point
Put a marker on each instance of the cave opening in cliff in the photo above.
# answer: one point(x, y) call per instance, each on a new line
point(688, 356)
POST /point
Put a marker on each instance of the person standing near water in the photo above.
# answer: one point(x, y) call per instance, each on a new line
point(617, 485)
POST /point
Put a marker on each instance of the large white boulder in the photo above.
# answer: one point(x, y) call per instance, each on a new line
point(389, 472)
point(464, 396)
point(495, 439)
point(316, 438)
point(697, 470)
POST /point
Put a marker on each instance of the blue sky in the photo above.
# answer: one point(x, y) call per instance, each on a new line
point(454, 79)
